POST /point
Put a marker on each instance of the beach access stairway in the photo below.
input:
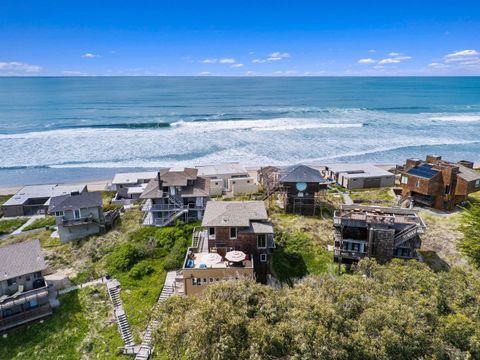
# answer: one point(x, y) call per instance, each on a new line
point(113, 289)
point(146, 349)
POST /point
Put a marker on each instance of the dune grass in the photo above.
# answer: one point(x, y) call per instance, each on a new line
point(82, 326)
point(7, 226)
point(41, 223)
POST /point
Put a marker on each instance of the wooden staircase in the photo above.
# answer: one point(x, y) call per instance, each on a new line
point(113, 288)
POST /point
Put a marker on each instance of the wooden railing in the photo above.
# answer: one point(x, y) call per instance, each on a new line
point(23, 317)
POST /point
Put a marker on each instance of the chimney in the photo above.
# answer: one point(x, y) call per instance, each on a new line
point(466, 163)
point(433, 159)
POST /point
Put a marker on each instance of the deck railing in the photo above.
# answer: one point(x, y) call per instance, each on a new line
point(25, 316)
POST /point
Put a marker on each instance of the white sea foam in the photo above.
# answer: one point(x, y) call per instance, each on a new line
point(459, 118)
point(277, 141)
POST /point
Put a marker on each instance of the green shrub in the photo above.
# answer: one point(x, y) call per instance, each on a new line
point(141, 269)
point(110, 207)
point(124, 257)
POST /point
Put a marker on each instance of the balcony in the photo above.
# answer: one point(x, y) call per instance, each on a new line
point(348, 254)
point(25, 316)
point(23, 297)
point(77, 222)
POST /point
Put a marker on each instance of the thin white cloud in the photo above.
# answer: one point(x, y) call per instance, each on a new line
point(210, 61)
point(394, 58)
point(71, 72)
point(367, 61)
point(372, 51)
point(227, 61)
point(462, 55)
point(17, 67)
point(237, 65)
point(90, 55)
point(276, 56)
point(259, 61)
point(204, 73)
point(249, 73)
point(389, 61)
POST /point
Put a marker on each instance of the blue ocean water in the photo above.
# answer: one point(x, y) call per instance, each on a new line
point(61, 128)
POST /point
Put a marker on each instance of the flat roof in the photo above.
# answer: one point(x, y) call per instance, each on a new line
point(133, 178)
point(358, 170)
point(42, 191)
point(233, 168)
point(20, 259)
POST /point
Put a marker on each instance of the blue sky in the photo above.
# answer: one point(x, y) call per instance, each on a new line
point(242, 38)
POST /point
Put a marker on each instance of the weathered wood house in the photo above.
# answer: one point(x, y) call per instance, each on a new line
point(24, 294)
point(438, 183)
point(299, 186)
point(229, 228)
point(380, 232)
point(175, 194)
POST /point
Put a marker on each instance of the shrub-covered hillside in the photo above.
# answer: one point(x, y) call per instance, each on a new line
point(402, 310)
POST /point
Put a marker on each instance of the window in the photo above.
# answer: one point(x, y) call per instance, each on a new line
point(477, 183)
point(58, 213)
point(196, 281)
point(76, 213)
point(27, 277)
point(233, 233)
point(211, 232)
point(37, 275)
point(204, 280)
point(233, 182)
point(418, 183)
point(11, 282)
point(261, 241)
point(447, 189)
point(211, 280)
point(263, 257)
point(404, 180)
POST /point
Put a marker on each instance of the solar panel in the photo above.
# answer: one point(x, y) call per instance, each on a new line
point(425, 171)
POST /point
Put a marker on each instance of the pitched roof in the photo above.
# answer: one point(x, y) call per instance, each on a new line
point(233, 213)
point(20, 259)
point(300, 173)
point(71, 202)
point(468, 174)
point(177, 177)
point(152, 191)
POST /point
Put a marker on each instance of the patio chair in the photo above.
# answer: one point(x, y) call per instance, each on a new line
point(19, 291)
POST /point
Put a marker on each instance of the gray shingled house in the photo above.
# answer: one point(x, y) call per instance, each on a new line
point(78, 215)
point(24, 294)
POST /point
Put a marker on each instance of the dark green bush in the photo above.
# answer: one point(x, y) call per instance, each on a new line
point(141, 269)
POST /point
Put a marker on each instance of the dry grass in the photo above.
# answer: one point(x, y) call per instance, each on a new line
point(383, 196)
point(442, 236)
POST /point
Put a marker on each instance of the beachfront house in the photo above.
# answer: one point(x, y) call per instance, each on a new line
point(176, 193)
point(299, 186)
point(24, 294)
point(379, 232)
point(78, 215)
point(228, 178)
point(235, 241)
point(359, 176)
point(438, 183)
point(35, 199)
point(129, 186)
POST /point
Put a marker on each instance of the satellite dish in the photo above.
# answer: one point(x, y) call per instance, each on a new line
point(301, 186)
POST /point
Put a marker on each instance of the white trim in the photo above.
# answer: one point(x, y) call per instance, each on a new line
point(265, 237)
point(263, 257)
